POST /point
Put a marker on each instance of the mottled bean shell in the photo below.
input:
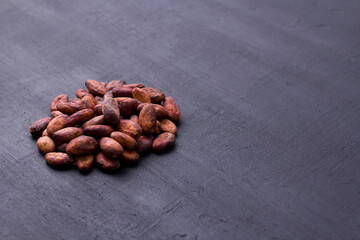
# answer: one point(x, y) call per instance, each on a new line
point(56, 113)
point(98, 120)
point(99, 99)
point(88, 101)
point(98, 130)
point(156, 95)
point(83, 145)
point(95, 87)
point(62, 148)
point(115, 83)
point(58, 159)
point(135, 118)
point(110, 147)
point(134, 85)
point(163, 142)
point(129, 127)
point(157, 130)
point(144, 143)
point(167, 126)
point(128, 106)
point(57, 100)
point(66, 134)
point(45, 133)
point(84, 163)
point(141, 95)
point(80, 93)
point(147, 119)
point(161, 112)
point(111, 111)
point(130, 157)
point(68, 107)
point(36, 129)
point(98, 109)
point(121, 92)
point(125, 140)
point(56, 124)
point(79, 117)
point(45, 145)
point(172, 109)
point(106, 163)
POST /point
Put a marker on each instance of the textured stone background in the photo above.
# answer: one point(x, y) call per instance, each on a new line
point(269, 142)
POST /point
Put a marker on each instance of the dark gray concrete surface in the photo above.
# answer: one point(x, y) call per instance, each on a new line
point(269, 141)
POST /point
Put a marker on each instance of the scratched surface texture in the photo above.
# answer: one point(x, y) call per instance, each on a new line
point(269, 141)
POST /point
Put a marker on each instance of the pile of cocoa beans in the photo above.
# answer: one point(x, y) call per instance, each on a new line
point(110, 124)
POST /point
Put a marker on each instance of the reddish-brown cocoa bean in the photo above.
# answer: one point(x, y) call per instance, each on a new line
point(125, 140)
point(98, 130)
point(98, 120)
point(66, 134)
point(121, 91)
point(88, 101)
point(163, 142)
point(161, 112)
point(116, 83)
point(130, 157)
point(84, 163)
point(56, 113)
point(56, 124)
point(141, 95)
point(68, 107)
point(128, 106)
point(134, 85)
point(79, 117)
point(98, 109)
point(147, 119)
point(106, 163)
point(135, 118)
point(110, 147)
point(57, 100)
point(172, 109)
point(167, 126)
point(156, 95)
point(111, 111)
point(95, 87)
point(45, 145)
point(36, 129)
point(80, 93)
point(129, 127)
point(144, 143)
point(62, 148)
point(83, 145)
point(60, 160)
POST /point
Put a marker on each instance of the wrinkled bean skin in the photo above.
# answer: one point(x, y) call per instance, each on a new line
point(125, 140)
point(144, 143)
point(172, 109)
point(156, 95)
point(88, 101)
point(167, 126)
point(68, 107)
point(56, 124)
point(95, 87)
point(62, 148)
point(59, 160)
point(147, 119)
point(98, 120)
point(84, 163)
point(36, 129)
point(134, 85)
point(111, 111)
point(116, 83)
point(110, 147)
point(121, 91)
point(128, 106)
point(80, 93)
point(98, 109)
point(161, 112)
point(130, 157)
point(141, 95)
point(83, 145)
point(67, 134)
point(129, 127)
point(98, 130)
point(45, 133)
point(56, 113)
point(135, 118)
point(45, 145)
point(79, 117)
point(106, 163)
point(163, 142)
point(57, 100)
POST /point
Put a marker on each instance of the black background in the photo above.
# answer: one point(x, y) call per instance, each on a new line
point(268, 145)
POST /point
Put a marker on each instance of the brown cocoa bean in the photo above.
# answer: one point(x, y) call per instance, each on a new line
point(121, 91)
point(134, 85)
point(163, 142)
point(88, 101)
point(84, 163)
point(60, 160)
point(135, 118)
point(116, 83)
point(36, 129)
point(144, 143)
point(167, 126)
point(45, 145)
point(125, 140)
point(80, 93)
point(68, 107)
point(172, 109)
point(56, 124)
point(95, 87)
point(56, 113)
point(98, 109)
point(129, 127)
point(98, 130)
point(156, 95)
point(111, 111)
point(79, 117)
point(99, 120)
point(99, 99)
point(57, 100)
point(66, 134)
point(62, 148)
point(83, 145)
point(128, 106)
point(157, 130)
point(45, 133)
point(130, 157)
point(141, 95)
point(147, 119)
point(161, 112)
point(110, 147)
point(106, 163)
